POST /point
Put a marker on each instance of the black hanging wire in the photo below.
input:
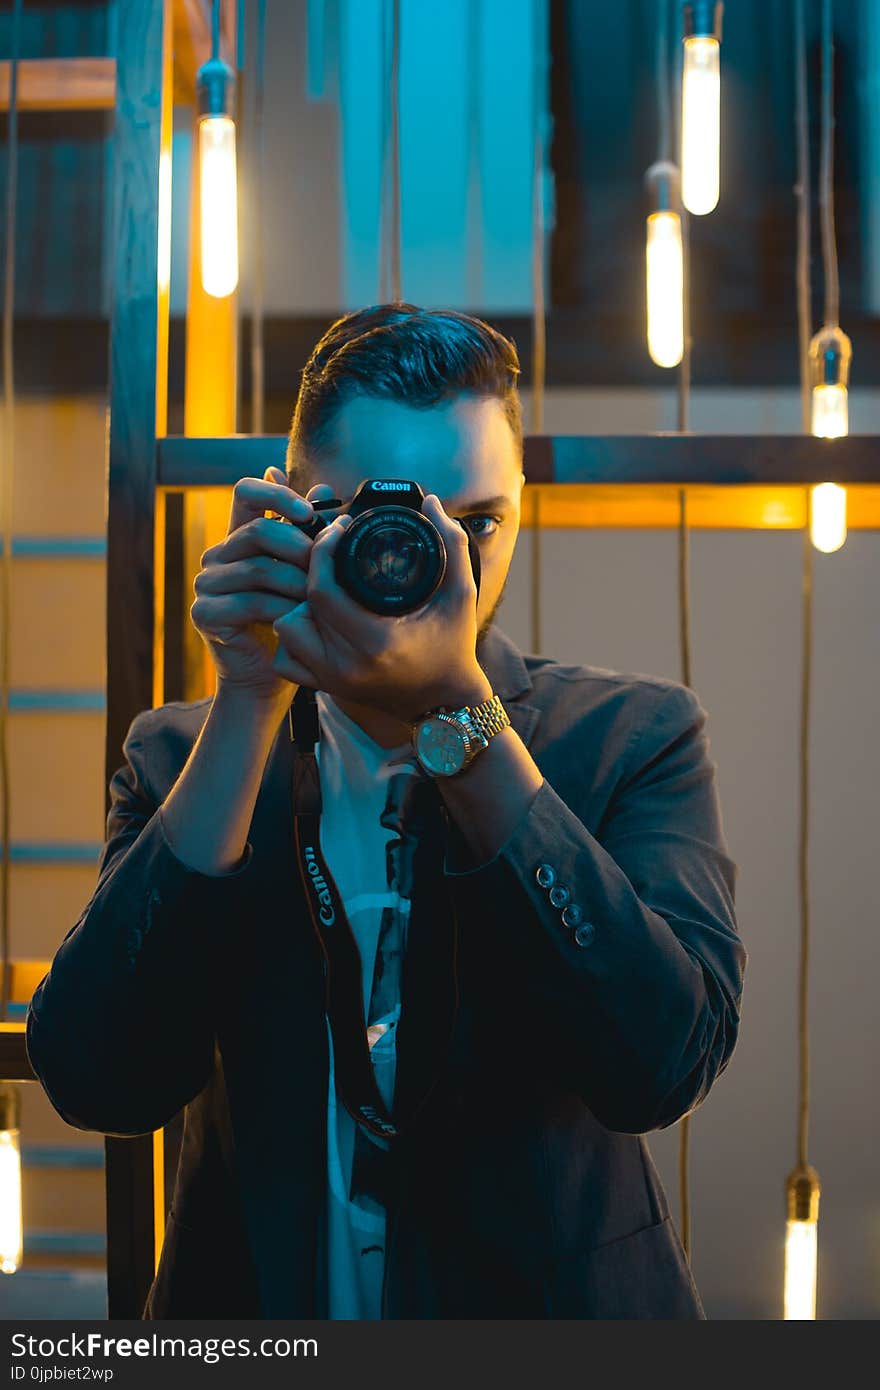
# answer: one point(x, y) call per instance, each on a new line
point(664, 114)
point(396, 291)
point(826, 173)
point(802, 196)
point(684, 581)
point(804, 840)
point(829, 254)
point(539, 302)
point(684, 368)
point(215, 30)
point(535, 570)
point(539, 310)
point(390, 265)
point(474, 189)
point(7, 502)
point(258, 386)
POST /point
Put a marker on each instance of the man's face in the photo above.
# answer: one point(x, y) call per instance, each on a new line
point(463, 450)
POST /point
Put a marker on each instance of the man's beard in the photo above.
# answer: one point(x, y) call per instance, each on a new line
point(487, 622)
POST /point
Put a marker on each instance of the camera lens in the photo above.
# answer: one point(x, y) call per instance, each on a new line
point(391, 560)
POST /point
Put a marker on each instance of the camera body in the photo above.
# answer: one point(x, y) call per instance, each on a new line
point(392, 558)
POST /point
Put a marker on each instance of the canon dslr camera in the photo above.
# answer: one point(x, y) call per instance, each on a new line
point(392, 558)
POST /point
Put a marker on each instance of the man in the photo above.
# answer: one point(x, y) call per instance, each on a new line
point(547, 952)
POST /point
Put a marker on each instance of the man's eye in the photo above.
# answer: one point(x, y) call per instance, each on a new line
point(482, 525)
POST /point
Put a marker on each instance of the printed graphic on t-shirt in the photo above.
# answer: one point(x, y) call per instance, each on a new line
point(405, 807)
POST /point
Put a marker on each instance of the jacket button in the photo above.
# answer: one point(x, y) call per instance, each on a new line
point(585, 933)
point(546, 875)
point(572, 915)
point(559, 895)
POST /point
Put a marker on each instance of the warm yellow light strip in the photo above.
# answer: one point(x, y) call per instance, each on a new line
point(26, 975)
point(742, 507)
point(158, 1193)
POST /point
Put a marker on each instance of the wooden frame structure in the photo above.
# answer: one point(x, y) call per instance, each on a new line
point(735, 481)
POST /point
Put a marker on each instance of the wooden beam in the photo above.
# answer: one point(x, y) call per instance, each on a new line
point(733, 482)
point(138, 362)
point(14, 1062)
point(687, 459)
point(62, 84)
point(674, 459)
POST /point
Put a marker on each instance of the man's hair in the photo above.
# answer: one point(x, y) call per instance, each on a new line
point(399, 352)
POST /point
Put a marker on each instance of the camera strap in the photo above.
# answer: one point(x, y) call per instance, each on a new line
point(433, 957)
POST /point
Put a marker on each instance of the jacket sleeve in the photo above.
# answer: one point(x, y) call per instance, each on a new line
point(120, 1030)
point(645, 992)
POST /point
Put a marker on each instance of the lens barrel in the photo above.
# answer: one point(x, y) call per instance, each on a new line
point(391, 559)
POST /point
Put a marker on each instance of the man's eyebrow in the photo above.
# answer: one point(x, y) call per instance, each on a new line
point(487, 504)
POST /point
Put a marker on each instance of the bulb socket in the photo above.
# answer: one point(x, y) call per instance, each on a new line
point(215, 87)
point(702, 19)
point(802, 1192)
point(10, 1107)
point(663, 182)
point(830, 356)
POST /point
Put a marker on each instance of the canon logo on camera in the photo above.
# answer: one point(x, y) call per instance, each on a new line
point(391, 487)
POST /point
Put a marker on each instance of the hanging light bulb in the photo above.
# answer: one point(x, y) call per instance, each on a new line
point(218, 181)
point(828, 517)
point(802, 1194)
point(10, 1180)
point(701, 107)
point(830, 356)
point(664, 267)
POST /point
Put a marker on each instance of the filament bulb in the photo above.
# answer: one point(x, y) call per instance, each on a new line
point(219, 205)
point(701, 124)
point(802, 1196)
point(828, 517)
point(665, 289)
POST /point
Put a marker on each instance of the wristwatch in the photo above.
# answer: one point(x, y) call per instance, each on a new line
point(447, 741)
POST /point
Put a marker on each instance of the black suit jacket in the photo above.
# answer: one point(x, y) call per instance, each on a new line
point(528, 1188)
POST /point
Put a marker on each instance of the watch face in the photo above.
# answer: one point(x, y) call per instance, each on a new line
point(440, 747)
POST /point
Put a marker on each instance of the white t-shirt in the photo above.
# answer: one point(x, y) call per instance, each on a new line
point(355, 774)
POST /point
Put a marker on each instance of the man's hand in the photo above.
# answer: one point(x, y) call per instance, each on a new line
point(251, 578)
point(402, 665)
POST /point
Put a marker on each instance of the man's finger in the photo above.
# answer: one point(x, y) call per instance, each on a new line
point(291, 670)
point(321, 492)
point(459, 573)
point(329, 599)
point(253, 497)
point(298, 638)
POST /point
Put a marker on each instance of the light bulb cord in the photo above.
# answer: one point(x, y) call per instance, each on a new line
point(391, 216)
point(826, 176)
point(802, 195)
point(539, 306)
point(664, 117)
point(258, 388)
point(682, 424)
point(215, 30)
point(804, 843)
point(683, 405)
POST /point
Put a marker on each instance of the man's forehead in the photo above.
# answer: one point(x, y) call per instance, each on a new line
point(461, 449)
